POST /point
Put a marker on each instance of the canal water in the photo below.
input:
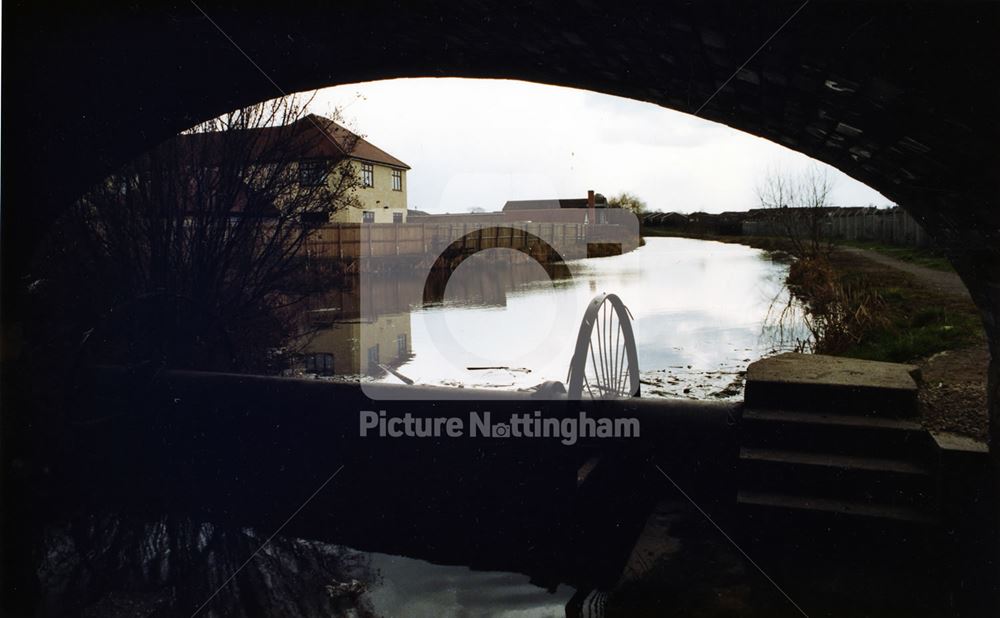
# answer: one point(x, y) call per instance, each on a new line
point(702, 311)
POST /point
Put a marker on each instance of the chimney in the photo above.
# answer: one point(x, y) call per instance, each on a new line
point(590, 206)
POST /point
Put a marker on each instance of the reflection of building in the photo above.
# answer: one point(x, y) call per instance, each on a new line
point(352, 347)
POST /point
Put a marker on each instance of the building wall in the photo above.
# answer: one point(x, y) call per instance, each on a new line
point(380, 199)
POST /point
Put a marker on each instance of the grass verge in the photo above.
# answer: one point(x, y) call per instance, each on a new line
point(928, 258)
point(918, 322)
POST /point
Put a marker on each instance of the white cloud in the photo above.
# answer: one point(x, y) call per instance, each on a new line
point(482, 142)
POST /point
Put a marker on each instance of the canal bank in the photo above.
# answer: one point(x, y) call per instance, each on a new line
point(930, 321)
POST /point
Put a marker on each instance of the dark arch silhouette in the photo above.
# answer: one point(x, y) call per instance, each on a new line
point(837, 83)
point(463, 248)
point(900, 96)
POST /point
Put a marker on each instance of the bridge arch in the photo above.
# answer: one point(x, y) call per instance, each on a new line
point(468, 245)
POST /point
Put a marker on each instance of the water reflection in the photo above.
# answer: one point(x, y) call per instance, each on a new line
point(334, 345)
point(109, 566)
point(419, 590)
point(702, 312)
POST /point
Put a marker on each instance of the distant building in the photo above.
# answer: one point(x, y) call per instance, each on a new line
point(728, 223)
point(569, 210)
point(665, 219)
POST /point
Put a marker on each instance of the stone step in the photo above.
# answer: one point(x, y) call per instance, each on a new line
point(843, 386)
point(835, 434)
point(862, 479)
point(833, 507)
point(836, 420)
point(846, 462)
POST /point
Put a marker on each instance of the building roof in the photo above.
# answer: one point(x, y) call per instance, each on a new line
point(656, 217)
point(363, 149)
point(312, 137)
point(581, 202)
point(757, 214)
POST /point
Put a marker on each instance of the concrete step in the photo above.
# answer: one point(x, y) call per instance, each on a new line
point(863, 479)
point(833, 507)
point(835, 434)
point(843, 386)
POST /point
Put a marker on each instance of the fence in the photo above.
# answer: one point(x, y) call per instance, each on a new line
point(891, 226)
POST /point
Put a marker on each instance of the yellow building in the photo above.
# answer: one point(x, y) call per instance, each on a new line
point(381, 193)
point(314, 150)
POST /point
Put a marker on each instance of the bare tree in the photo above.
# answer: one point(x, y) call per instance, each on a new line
point(192, 253)
point(838, 311)
point(799, 205)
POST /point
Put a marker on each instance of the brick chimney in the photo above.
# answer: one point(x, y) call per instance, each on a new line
point(590, 206)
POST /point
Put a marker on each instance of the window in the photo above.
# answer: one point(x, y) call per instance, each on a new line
point(401, 348)
point(312, 173)
point(320, 363)
point(367, 175)
point(368, 216)
point(397, 180)
point(373, 359)
point(397, 217)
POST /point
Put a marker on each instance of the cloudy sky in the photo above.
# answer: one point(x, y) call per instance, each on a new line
point(478, 143)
